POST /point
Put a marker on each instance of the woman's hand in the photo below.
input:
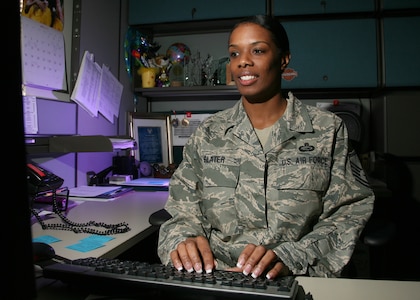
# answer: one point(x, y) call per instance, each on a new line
point(192, 254)
point(255, 260)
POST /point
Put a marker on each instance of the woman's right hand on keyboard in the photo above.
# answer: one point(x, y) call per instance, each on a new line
point(257, 260)
point(192, 254)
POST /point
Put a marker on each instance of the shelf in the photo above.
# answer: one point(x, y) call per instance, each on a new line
point(183, 92)
point(70, 143)
point(227, 92)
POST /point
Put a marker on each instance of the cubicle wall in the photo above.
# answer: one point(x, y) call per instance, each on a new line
point(396, 124)
point(102, 34)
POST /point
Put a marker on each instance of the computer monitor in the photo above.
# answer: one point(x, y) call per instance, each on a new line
point(17, 248)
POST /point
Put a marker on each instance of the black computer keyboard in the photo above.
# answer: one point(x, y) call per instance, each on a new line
point(106, 275)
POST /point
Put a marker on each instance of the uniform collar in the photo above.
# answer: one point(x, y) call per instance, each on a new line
point(295, 120)
point(296, 117)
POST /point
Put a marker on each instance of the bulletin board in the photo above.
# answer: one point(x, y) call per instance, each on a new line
point(184, 124)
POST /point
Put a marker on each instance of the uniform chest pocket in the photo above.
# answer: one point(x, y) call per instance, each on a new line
point(220, 179)
point(220, 170)
point(314, 177)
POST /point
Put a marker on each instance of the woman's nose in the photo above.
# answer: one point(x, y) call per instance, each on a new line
point(245, 61)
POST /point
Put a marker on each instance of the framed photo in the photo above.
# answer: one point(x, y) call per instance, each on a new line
point(153, 135)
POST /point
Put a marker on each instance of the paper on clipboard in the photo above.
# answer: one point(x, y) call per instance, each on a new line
point(97, 89)
point(85, 92)
point(109, 95)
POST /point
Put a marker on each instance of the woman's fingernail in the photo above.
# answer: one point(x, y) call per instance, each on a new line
point(208, 269)
point(247, 270)
point(256, 273)
point(198, 268)
point(240, 263)
point(189, 267)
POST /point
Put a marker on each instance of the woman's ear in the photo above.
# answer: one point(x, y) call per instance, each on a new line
point(285, 61)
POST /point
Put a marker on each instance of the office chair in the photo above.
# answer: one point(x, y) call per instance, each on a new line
point(380, 230)
point(355, 129)
point(159, 217)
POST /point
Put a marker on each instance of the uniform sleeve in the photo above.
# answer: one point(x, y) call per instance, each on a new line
point(347, 206)
point(183, 205)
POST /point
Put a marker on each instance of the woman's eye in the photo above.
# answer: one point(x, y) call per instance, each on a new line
point(258, 51)
point(233, 54)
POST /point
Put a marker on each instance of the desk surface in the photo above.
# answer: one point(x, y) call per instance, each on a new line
point(319, 288)
point(359, 289)
point(133, 208)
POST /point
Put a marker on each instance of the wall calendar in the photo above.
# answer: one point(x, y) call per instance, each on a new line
point(43, 56)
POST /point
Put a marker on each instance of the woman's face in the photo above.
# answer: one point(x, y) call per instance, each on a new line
point(255, 62)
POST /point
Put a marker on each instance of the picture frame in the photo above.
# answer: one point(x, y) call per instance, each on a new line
point(153, 135)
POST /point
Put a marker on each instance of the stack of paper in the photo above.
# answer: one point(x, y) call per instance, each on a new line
point(148, 183)
point(122, 144)
point(97, 89)
point(97, 193)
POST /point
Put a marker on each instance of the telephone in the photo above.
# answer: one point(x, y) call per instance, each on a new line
point(41, 180)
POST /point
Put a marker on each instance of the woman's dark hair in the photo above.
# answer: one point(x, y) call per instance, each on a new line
point(278, 33)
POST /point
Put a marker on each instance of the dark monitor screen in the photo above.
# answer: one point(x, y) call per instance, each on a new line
point(17, 248)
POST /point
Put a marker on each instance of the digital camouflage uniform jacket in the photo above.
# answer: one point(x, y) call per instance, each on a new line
point(306, 197)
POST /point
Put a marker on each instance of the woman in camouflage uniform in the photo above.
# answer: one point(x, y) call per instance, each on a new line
point(270, 186)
